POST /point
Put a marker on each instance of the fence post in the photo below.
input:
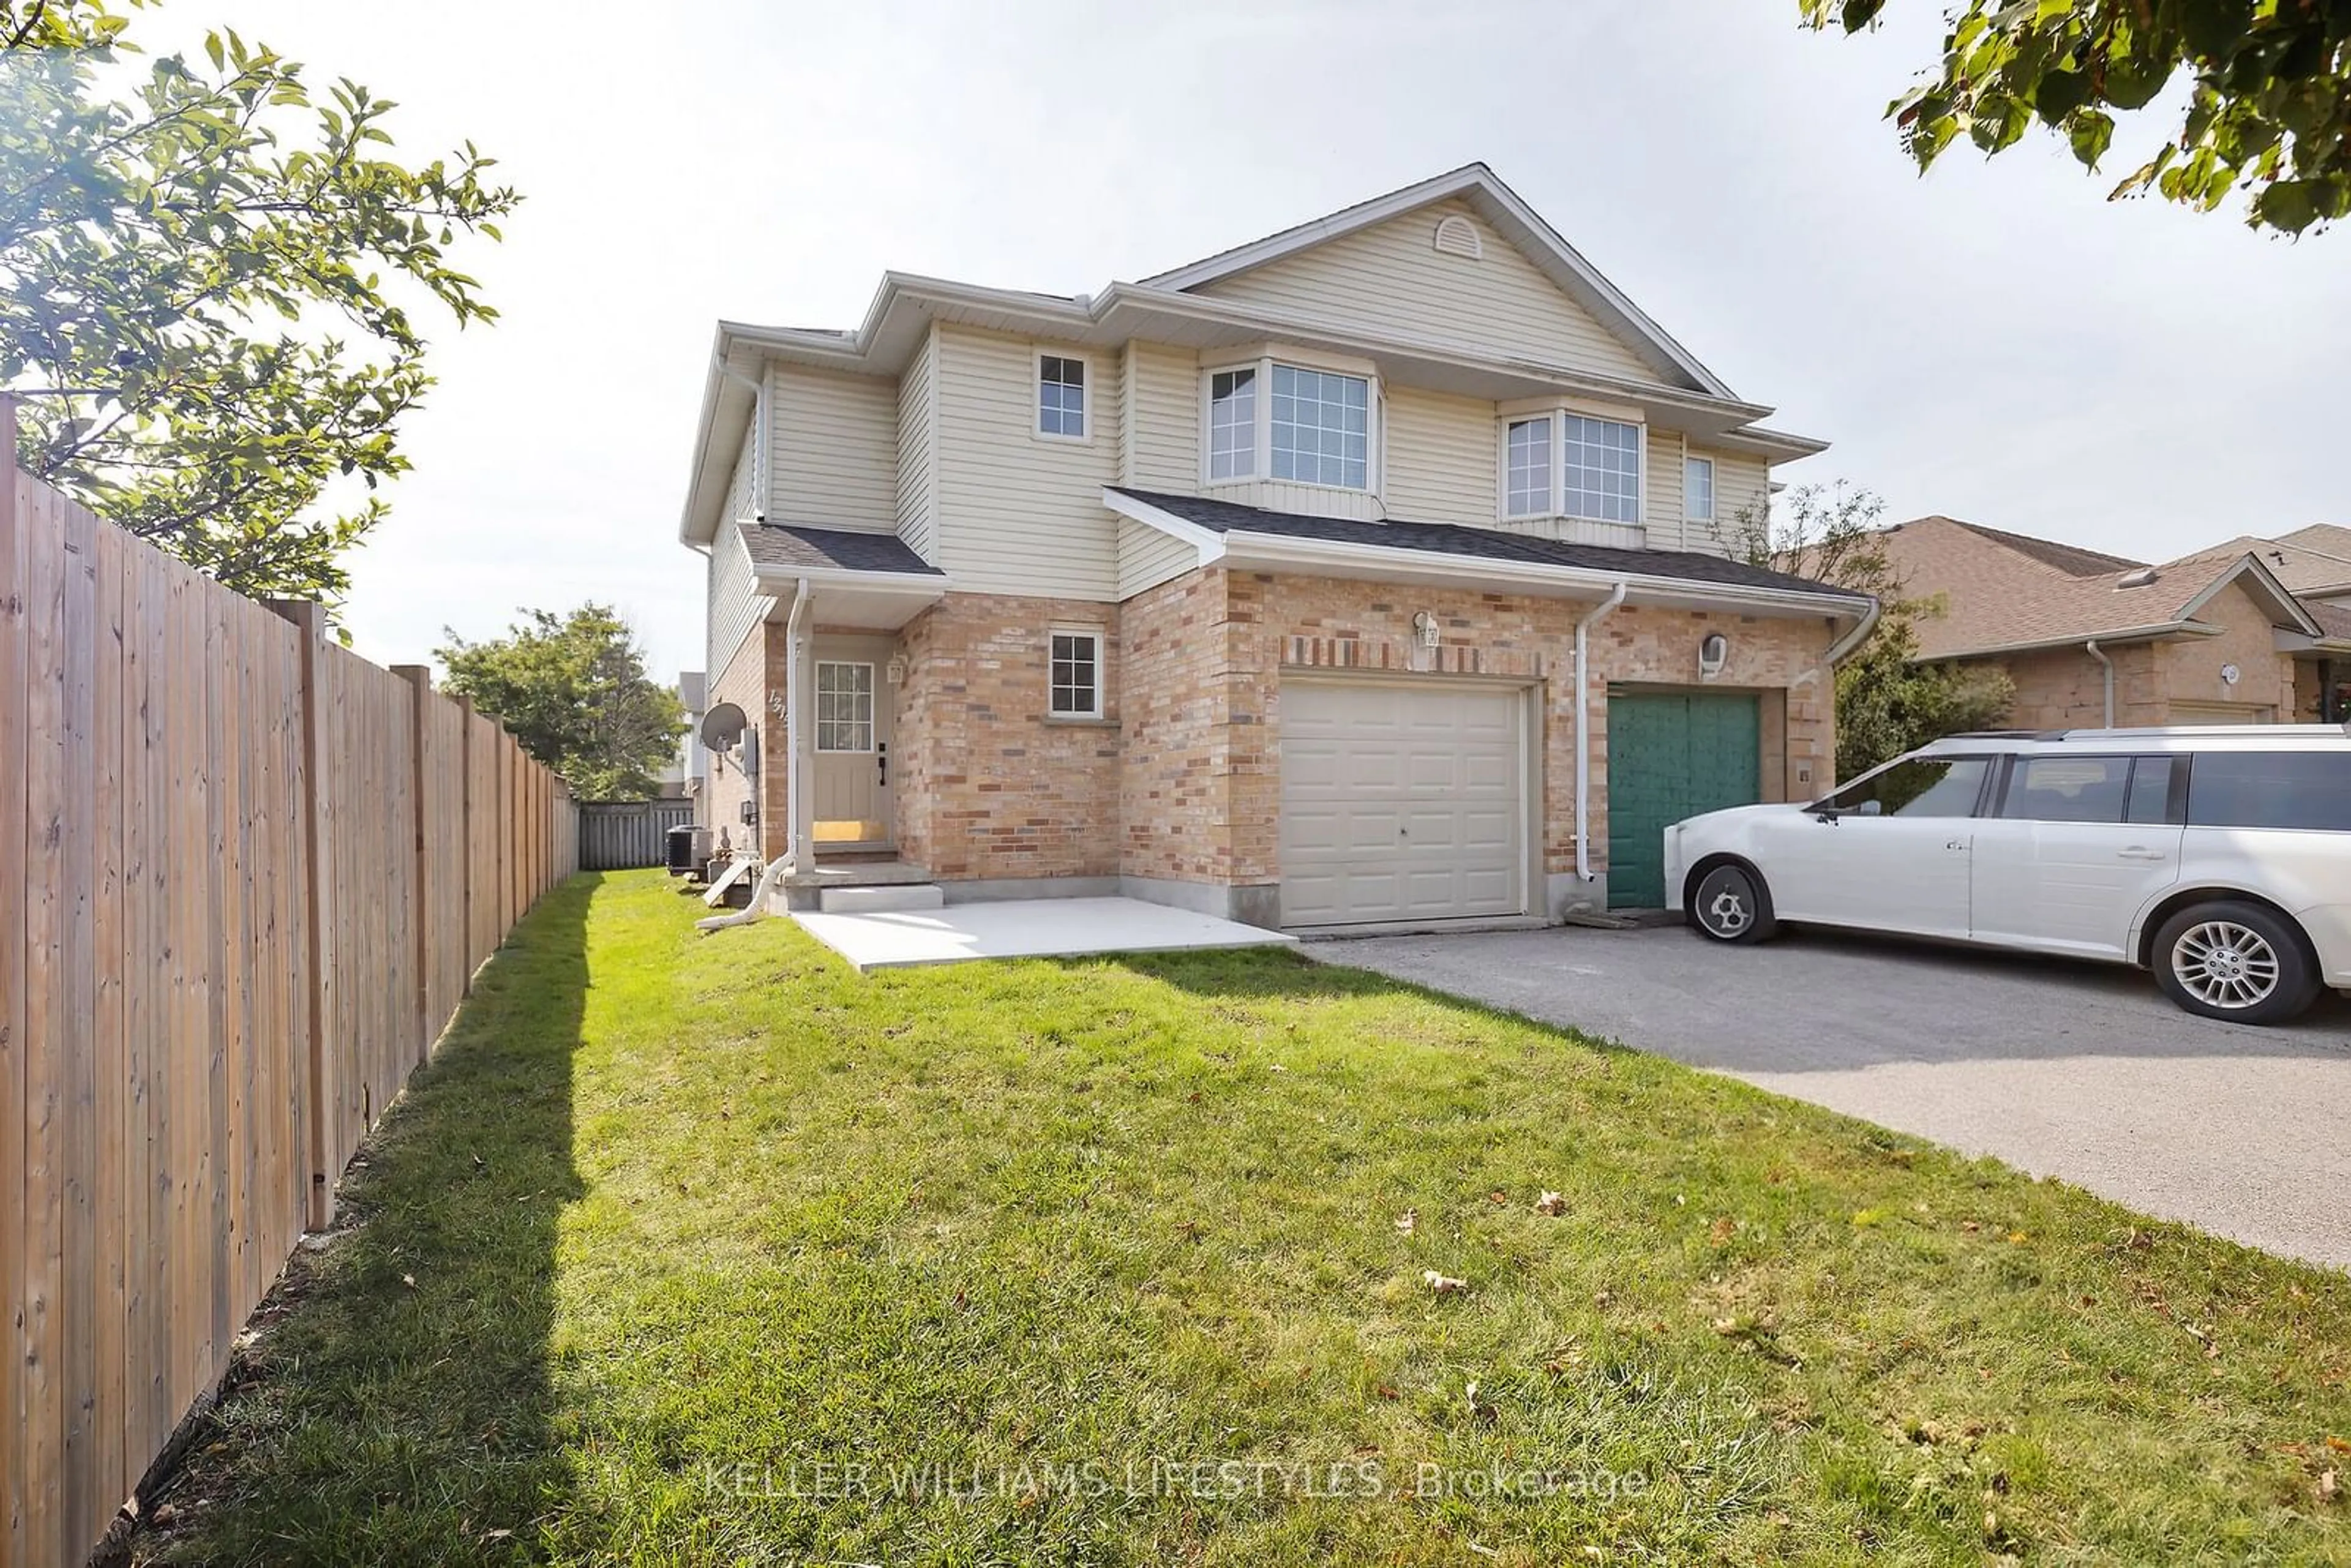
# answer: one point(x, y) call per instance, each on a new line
point(419, 697)
point(465, 828)
point(319, 931)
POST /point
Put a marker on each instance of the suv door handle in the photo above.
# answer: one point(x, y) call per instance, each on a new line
point(1956, 844)
point(2140, 852)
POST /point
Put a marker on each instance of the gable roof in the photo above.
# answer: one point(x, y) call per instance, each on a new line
point(2326, 538)
point(1488, 545)
point(2300, 566)
point(1683, 394)
point(1508, 214)
point(2002, 593)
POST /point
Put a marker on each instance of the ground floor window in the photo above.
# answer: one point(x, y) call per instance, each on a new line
point(1076, 676)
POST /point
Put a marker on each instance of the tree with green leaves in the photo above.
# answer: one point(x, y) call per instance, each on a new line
point(573, 690)
point(2268, 83)
point(1888, 701)
point(206, 278)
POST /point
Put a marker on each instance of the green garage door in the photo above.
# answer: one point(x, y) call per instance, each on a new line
point(1672, 755)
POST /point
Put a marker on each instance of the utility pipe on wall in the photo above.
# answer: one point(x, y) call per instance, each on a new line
point(1583, 729)
point(771, 879)
point(2092, 648)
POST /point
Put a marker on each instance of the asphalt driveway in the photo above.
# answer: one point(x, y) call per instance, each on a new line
point(2073, 1070)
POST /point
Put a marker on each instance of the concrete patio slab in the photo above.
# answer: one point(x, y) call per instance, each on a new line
point(1024, 928)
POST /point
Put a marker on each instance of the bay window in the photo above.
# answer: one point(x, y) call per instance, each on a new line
point(1561, 464)
point(1289, 423)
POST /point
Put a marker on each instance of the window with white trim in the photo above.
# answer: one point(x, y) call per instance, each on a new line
point(1698, 490)
point(1232, 424)
point(1292, 423)
point(1060, 396)
point(1528, 461)
point(1075, 679)
point(1322, 432)
point(1561, 464)
point(1600, 473)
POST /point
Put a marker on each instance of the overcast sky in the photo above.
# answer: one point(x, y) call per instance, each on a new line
point(1996, 341)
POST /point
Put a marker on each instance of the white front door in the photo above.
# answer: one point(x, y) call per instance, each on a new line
point(1892, 851)
point(2078, 846)
point(1401, 803)
point(851, 778)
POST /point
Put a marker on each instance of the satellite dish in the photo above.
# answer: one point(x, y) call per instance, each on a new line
point(722, 726)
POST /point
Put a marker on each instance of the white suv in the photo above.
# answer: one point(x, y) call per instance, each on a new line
point(2220, 858)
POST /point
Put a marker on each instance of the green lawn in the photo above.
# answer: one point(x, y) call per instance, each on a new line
point(677, 1228)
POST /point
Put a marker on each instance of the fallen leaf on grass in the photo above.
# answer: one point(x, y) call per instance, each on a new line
point(1497, 1196)
point(2018, 1238)
point(409, 1281)
point(1385, 1391)
point(1722, 1230)
point(1406, 1220)
point(2326, 1485)
point(1551, 1203)
point(2340, 1445)
point(1970, 1225)
point(1443, 1284)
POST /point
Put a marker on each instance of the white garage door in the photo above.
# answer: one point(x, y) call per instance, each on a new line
point(1401, 803)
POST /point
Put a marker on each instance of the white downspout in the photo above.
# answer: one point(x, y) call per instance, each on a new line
point(1584, 730)
point(772, 877)
point(796, 707)
point(2092, 648)
point(762, 432)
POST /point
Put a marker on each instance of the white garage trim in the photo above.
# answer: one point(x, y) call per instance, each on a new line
point(1408, 802)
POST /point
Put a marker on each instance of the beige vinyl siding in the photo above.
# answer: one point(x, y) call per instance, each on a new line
point(917, 445)
point(742, 498)
point(1390, 278)
point(1740, 482)
point(1302, 500)
point(1019, 512)
point(835, 448)
point(1148, 558)
point(1661, 487)
point(1162, 445)
point(1443, 452)
point(734, 604)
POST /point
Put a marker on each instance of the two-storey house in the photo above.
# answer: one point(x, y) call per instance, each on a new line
point(1374, 572)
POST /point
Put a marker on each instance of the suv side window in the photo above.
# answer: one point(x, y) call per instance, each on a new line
point(1922, 787)
point(2064, 788)
point(2306, 789)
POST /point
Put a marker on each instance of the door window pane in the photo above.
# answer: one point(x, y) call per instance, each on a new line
point(1922, 787)
point(2271, 790)
point(2069, 788)
point(844, 706)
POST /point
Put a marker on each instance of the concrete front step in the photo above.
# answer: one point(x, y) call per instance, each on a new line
point(881, 899)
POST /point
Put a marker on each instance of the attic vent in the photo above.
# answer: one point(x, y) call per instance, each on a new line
point(1456, 235)
point(2139, 579)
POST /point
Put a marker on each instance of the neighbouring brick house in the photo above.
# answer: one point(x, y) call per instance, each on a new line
point(2253, 631)
point(1255, 587)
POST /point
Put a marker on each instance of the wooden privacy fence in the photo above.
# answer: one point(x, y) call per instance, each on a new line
point(625, 835)
point(247, 877)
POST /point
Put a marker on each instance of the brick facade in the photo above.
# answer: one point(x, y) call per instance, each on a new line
point(754, 682)
point(988, 784)
point(1180, 780)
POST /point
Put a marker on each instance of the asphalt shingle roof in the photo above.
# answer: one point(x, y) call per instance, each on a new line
point(787, 546)
point(1484, 544)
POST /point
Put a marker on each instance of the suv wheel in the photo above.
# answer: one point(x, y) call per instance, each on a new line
point(2235, 961)
point(1731, 905)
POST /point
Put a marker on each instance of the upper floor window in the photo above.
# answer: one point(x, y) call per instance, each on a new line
point(1289, 423)
point(1572, 466)
point(1698, 490)
point(1322, 428)
point(1060, 396)
point(1232, 424)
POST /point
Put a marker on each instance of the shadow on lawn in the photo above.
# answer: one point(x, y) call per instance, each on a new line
point(397, 1403)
